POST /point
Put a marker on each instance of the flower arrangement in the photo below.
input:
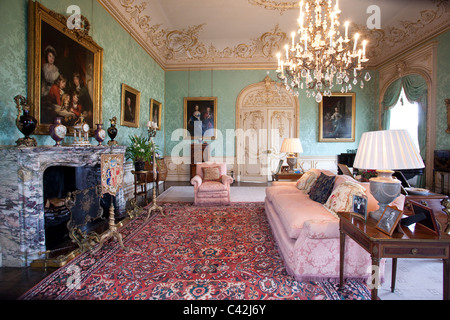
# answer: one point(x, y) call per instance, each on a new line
point(140, 149)
point(365, 175)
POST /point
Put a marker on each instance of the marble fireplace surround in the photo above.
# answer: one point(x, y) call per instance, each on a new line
point(22, 232)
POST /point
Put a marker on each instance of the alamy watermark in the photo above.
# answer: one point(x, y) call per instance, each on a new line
point(74, 21)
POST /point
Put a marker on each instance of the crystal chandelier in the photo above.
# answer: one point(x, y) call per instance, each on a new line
point(322, 57)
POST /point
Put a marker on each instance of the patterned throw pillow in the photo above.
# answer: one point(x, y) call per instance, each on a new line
point(306, 181)
point(322, 188)
point(341, 199)
point(211, 174)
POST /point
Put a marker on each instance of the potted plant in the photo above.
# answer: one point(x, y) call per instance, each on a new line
point(139, 150)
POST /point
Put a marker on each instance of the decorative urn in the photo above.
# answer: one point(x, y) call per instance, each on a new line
point(100, 133)
point(25, 122)
point(58, 131)
point(112, 131)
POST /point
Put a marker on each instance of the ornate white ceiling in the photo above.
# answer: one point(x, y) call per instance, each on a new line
point(225, 34)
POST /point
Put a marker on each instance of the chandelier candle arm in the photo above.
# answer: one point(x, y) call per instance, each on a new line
point(319, 58)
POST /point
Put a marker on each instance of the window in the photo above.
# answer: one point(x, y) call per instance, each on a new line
point(405, 115)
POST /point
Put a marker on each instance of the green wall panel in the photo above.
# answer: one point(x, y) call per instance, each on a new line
point(226, 86)
point(124, 61)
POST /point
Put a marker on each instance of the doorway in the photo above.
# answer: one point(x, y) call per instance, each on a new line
point(266, 113)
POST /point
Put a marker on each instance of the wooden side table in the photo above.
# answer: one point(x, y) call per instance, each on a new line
point(412, 242)
point(286, 175)
point(140, 183)
point(434, 201)
point(161, 173)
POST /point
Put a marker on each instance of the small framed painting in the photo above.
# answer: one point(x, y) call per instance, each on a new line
point(130, 107)
point(200, 118)
point(155, 112)
point(337, 118)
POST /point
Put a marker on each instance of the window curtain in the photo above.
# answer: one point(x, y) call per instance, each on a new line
point(415, 88)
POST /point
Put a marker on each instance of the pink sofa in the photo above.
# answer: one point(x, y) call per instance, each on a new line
point(307, 232)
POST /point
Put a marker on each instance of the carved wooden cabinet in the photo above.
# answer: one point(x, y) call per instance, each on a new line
point(199, 153)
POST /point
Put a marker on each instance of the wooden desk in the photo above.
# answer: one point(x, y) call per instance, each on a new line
point(286, 175)
point(414, 242)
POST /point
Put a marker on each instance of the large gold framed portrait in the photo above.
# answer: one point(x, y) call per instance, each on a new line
point(64, 69)
point(337, 118)
point(200, 118)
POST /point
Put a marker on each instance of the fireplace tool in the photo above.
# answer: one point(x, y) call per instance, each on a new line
point(112, 231)
point(151, 134)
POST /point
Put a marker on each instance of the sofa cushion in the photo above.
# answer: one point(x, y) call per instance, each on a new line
point(274, 191)
point(341, 199)
point(212, 186)
point(341, 179)
point(307, 180)
point(322, 188)
point(294, 209)
point(211, 173)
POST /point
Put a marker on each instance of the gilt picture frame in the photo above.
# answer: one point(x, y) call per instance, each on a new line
point(130, 106)
point(156, 112)
point(64, 70)
point(337, 118)
point(200, 118)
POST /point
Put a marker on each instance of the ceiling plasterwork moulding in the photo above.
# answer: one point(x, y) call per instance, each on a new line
point(385, 44)
point(182, 49)
point(273, 5)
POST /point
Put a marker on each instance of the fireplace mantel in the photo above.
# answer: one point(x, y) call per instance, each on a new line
point(22, 229)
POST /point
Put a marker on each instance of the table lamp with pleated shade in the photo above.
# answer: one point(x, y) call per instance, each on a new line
point(291, 146)
point(386, 151)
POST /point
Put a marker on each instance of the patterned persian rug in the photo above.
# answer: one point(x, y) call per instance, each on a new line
point(192, 253)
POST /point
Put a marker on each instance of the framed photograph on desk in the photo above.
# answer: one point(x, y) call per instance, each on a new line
point(389, 220)
point(360, 206)
point(429, 220)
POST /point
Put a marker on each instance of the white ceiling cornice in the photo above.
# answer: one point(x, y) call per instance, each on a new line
point(246, 34)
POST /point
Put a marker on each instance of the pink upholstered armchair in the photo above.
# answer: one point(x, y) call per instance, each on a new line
point(211, 184)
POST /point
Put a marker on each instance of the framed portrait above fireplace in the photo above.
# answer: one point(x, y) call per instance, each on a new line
point(64, 69)
point(337, 118)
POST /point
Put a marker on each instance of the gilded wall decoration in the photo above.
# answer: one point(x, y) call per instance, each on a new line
point(269, 95)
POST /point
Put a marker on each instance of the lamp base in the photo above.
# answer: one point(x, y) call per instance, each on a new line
point(291, 161)
point(385, 189)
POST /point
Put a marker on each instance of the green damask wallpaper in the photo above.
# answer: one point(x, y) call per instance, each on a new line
point(226, 86)
point(443, 91)
point(124, 61)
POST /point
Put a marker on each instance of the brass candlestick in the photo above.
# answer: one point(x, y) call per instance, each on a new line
point(151, 134)
point(112, 231)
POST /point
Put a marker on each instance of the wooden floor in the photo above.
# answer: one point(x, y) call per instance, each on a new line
point(14, 282)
